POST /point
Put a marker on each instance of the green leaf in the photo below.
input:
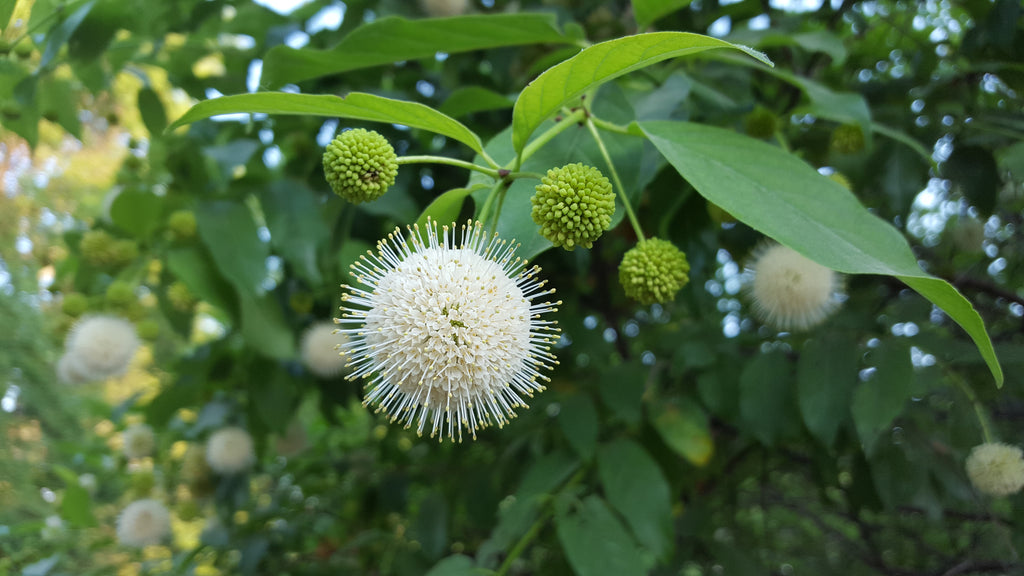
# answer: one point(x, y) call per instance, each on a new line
point(877, 402)
point(137, 212)
point(396, 39)
point(356, 105)
point(6, 10)
point(296, 228)
point(784, 198)
point(647, 11)
point(472, 99)
point(350, 251)
point(192, 266)
point(445, 208)
point(229, 232)
point(621, 389)
point(59, 36)
point(152, 111)
point(684, 426)
point(595, 542)
point(76, 506)
point(597, 64)
point(766, 397)
point(59, 101)
point(273, 395)
point(636, 487)
point(456, 565)
point(264, 326)
point(826, 375)
point(578, 419)
point(430, 528)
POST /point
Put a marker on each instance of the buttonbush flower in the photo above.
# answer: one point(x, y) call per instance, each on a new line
point(791, 291)
point(448, 331)
point(653, 271)
point(100, 347)
point(230, 451)
point(320, 350)
point(996, 469)
point(573, 205)
point(360, 165)
point(138, 441)
point(143, 523)
point(68, 372)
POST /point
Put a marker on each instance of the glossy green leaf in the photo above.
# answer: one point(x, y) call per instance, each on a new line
point(396, 39)
point(784, 198)
point(474, 99)
point(152, 111)
point(296, 229)
point(767, 403)
point(562, 84)
point(456, 565)
point(636, 487)
point(430, 528)
point(264, 326)
point(137, 212)
point(579, 422)
point(76, 507)
point(826, 375)
point(647, 11)
point(229, 233)
point(880, 400)
point(6, 10)
point(684, 426)
point(58, 101)
point(445, 208)
point(355, 105)
point(596, 543)
point(59, 36)
point(192, 266)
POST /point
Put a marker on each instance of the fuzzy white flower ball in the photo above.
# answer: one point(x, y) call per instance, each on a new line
point(441, 8)
point(320, 350)
point(230, 451)
point(996, 469)
point(138, 441)
point(101, 347)
point(143, 523)
point(449, 330)
point(790, 291)
point(68, 371)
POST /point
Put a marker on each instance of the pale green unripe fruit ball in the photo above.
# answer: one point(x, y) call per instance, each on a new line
point(120, 293)
point(181, 297)
point(75, 304)
point(761, 123)
point(360, 165)
point(848, 139)
point(182, 224)
point(653, 271)
point(573, 205)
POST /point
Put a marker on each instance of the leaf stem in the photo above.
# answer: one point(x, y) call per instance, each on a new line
point(611, 126)
point(979, 410)
point(426, 159)
point(781, 139)
point(615, 179)
point(490, 200)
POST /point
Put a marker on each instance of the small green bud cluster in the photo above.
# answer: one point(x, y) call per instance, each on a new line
point(102, 250)
point(181, 297)
point(75, 304)
point(182, 225)
point(848, 139)
point(653, 271)
point(360, 165)
point(573, 205)
point(148, 329)
point(120, 293)
point(761, 123)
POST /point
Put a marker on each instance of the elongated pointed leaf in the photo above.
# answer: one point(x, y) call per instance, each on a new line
point(396, 39)
point(779, 195)
point(357, 106)
point(595, 542)
point(635, 486)
point(598, 64)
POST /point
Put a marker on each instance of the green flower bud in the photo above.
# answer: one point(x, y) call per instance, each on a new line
point(182, 225)
point(97, 247)
point(188, 510)
point(120, 293)
point(573, 205)
point(848, 139)
point(125, 252)
point(843, 181)
point(181, 297)
point(761, 123)
point(653, 271)
point(142, 483)
point(148, 329)
point(360, 165)
point(74, 304)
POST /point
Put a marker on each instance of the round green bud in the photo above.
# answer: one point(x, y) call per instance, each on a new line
point(24, 48)
point(75, 304)
point(181, 297)
point(360, 165)
point(848, 139)
point(182, 224)
point(573, 205)
point(843, 181)
point(301, 302)
point(188, 510)
point(97, 247)
point(124, 252)
point(761, 123)
point(148, 329)
point(120, 293)
point(653, 271)
point(142, 483)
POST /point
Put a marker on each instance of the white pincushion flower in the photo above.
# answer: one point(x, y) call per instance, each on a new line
point(996, 469)
point(68, 371)
point(441, 8)
point(320, 350)
point(101, 347)
point(791, 291)
point(138, 441)
point(230, 451)
point(143, 523)
point(448, 330)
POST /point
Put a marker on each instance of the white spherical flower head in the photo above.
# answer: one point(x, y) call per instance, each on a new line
point(101, 347)
point(138, 441)
point(996, 469)
point(441, 8)
point(790, 291)
point(320, 350)
point(68, 371)
point(448, 330)
point(143, 523)
point(230, 451)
